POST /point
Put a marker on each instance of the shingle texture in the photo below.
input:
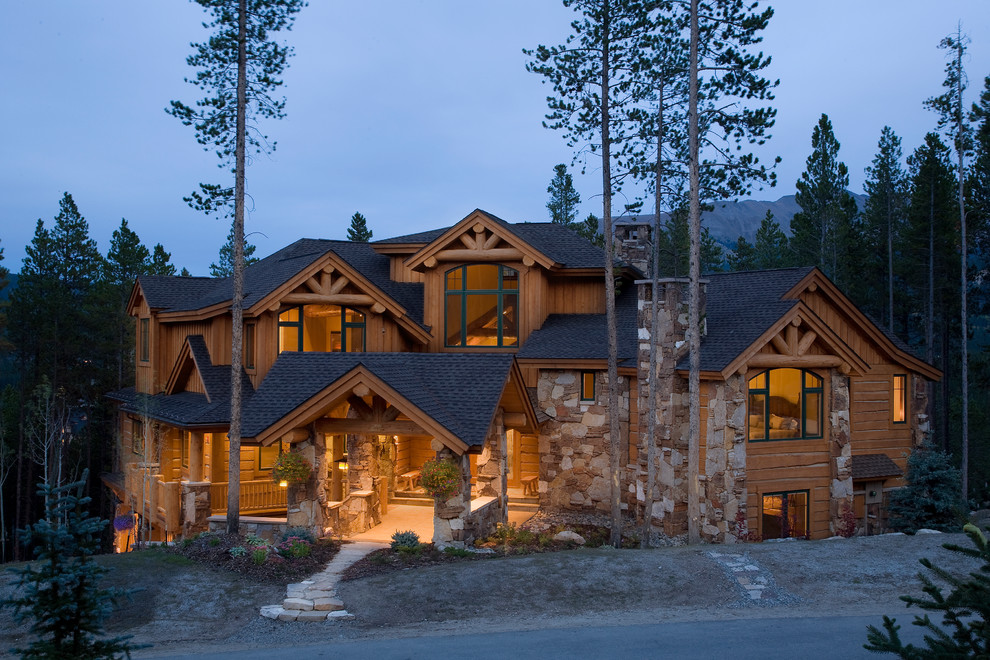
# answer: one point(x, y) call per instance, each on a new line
point(874, 466)
point(739, 308)
point(188, 409)
point(459, 391)
point(584, 336)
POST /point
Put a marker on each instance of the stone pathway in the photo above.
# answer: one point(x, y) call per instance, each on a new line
point(316, 599)
point(754, 582)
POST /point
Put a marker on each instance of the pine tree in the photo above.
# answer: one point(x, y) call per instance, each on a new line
point(5, 344)
point(238, 68)
point(965, 610)
point(931, 498)
point(883, 221)
point(564, 199)
point(60, 591)
point(771, 247)
point(588, 228)
point(224, 265)
point(161, 261)
point(743, 257)
point(126, 259)
point(358, 231)
point(823, 231)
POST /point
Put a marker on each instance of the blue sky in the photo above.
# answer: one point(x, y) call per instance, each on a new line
point(413, 112)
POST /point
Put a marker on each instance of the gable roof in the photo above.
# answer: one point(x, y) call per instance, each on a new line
point(447, 387)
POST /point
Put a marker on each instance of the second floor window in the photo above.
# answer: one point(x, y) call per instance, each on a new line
point(321, 328)
point(785, 404)
point(145, 340)
point(482, 306)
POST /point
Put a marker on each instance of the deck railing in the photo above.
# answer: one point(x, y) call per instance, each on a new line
point(262, 495)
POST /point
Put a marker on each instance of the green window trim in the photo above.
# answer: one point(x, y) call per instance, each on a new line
point(351, 331)
point(782, 522)
point(588, 385)
point(501, 321)
point(759, 406)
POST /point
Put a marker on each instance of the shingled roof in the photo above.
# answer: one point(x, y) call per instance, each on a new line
point(739, 308)
point(446, 386)
point(584, 336)
point(185, 409)
point(874, 466)
point(263, 277)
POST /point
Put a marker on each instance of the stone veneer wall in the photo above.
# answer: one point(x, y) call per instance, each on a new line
point(493, 472)
point(921, 425)
point(450, 515)
point(723, 488)
point(308, 504)
point(840, 451)
point(575, 467)
point(195, 507)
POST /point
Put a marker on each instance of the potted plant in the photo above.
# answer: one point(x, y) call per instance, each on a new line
point(291, 469)
point(441, 479)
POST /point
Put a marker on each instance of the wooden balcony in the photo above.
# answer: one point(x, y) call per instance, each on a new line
point(256, 496)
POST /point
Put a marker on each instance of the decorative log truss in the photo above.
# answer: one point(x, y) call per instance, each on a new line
point(792, 345)
point(480, 245)
point(380, 418)
point(325, 289)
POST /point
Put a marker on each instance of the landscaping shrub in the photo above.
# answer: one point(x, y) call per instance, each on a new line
point(298, 532)
point(408, 540)
point(931, 500)
point(295, 547)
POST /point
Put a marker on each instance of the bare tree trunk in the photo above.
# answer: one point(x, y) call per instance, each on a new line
point(930, 320)
point(890, 262)
point(651, 406)
point(963, 275)
point(694, 339)
point(614, 431)
point(237, 312)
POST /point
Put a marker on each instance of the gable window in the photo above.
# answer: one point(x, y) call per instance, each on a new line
point(482, 306)
point(587, 385)
point(249, 338)
point(785, 515)
point(321, 328)
point(145, 340)
point(785, 404)
point(899, 399)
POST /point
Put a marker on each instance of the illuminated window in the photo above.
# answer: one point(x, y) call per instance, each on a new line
point(321, 328)
point(587, 385)
point(184, 448)
point(482, 307)
point(145, 340)
point(785, 515)
point(900, 399)
point(785, 404)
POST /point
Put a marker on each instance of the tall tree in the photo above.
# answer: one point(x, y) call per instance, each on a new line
point(224, 265)
point(954, 122)
point(161, 261)
point(239, 69)
point(588, 228)
point(5, 344)
point(822, 231)
point(126, 259)
point(592, 79)
point(883, 216)
point(720, 118)
point(358, 231)
point(743, 257)
point(564, 199)
point(771, 248)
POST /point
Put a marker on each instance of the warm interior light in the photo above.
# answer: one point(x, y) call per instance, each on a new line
point(283, 484)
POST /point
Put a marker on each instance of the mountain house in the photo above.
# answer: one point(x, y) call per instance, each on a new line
point(485, 343)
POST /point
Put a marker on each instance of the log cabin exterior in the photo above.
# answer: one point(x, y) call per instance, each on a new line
point(484, 343)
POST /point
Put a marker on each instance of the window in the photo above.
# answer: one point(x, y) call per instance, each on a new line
point(249, 339)
point(137, 436)
point(785, 404)
point(321, 328)
point(587, 385)
point(184, 448)
point(899, 400)
point(267, 456)
point(482, 306)
point(785, 515)
point(145, 340)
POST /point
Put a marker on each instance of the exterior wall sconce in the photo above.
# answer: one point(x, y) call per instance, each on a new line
point(283, 484)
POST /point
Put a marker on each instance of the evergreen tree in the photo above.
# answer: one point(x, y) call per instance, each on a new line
point(978, 199)
point(126, 259)
point(883, 221)
point(5, 344)
point(822, 232)
point(743, 257)
point(60, 592)
point(358, 231)
point(771, 248)
point(564, 199)
point(224, 265)
point(161, 261)
point(588, 228)
point(931, 498)
point(239, 69)
point(965, 610)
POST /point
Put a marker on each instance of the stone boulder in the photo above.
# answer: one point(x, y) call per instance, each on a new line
point(568, 535)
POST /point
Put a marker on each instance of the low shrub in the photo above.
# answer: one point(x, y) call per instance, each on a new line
point(258, 556)
point(238, 551)
point(295, 547)
point(408, 540)
point(457, 552)
point(303, 533)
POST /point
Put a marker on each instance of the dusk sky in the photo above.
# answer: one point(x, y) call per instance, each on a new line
point(413, 113)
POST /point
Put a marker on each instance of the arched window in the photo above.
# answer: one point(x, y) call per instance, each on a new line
point(482, 306)
point(785, 404)
point(321, 328)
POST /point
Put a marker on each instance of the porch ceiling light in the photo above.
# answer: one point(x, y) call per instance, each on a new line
point(283, 484)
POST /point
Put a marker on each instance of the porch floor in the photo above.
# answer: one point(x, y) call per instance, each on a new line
point(403, 517)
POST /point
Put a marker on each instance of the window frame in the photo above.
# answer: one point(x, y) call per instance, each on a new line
point(805, 391)
point(145, 340)
point(585, 395)
point(807, 512)
point(137, 437)
point(905, 401)
point(250, 345)
point(345, 325)
point(500, 292)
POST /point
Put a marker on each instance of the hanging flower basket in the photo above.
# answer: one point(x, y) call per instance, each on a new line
point(124, 522)
point(291, 468)
point(441, 479)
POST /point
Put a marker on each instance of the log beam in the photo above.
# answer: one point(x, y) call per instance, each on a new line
point(336, 425)
point(514, 420)
point(498, 254)
point(347, 299)
point(781, 345)
point(339, 285)
point(806, 341)
point(770, 361)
